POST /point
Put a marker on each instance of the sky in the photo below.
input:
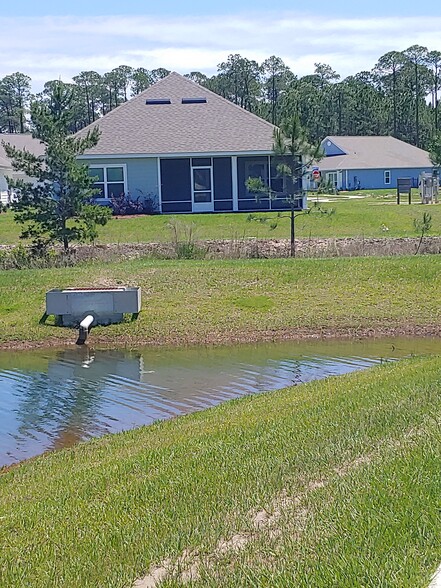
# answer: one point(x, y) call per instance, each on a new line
point(56, 40)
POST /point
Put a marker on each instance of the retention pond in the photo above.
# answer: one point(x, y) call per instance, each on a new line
point(54, 398)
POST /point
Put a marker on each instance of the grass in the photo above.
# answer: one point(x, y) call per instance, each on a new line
point(191, 301)
point(375, 215)
point(345, 473)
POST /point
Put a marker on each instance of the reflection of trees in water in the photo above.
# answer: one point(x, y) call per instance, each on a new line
point(65, 402)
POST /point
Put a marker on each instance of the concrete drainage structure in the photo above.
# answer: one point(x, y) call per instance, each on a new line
point(88, 307)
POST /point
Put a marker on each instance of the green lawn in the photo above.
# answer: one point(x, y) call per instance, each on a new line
point(332, 483)
point(188, 301)
point(371, 216)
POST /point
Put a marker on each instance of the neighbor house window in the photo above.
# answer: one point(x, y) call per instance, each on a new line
point(332, 178)
point(110, 180)
point(387, 178)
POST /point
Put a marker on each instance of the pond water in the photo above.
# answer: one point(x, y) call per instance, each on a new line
point(54, 398)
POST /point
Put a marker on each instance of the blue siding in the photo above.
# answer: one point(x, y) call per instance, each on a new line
point(142, 175)
point(373, 179)
point(331, 149)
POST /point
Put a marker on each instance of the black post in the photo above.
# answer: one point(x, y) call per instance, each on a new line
point(293, 242)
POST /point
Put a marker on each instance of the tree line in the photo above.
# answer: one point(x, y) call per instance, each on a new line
point(400, 96)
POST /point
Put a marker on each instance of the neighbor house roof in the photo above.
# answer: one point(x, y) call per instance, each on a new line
point(208, 124)
point(374, 153)
point(20, 141)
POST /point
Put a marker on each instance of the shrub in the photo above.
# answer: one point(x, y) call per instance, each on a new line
point(126, 205)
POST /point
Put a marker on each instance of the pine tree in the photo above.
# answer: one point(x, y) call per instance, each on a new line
point(56, 207)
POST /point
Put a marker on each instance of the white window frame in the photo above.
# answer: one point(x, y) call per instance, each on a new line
point(388, 175)
point(105, 167)
point(333, 177)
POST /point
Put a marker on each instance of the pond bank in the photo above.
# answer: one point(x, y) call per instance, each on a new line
point(314, 485)
point(101, 341)
point(191, 302)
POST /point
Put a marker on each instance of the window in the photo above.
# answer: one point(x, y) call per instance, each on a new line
point(332, 177)
point(109, 180)
point(387, 178)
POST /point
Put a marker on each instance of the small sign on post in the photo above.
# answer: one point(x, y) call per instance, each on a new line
point(404, 186)
point(316, 175)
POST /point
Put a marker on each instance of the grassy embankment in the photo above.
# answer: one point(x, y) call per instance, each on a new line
point(367, 217)
point(332, 483)
point(240, 300)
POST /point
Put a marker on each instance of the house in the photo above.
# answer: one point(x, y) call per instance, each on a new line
point(353, 163)
point(25, 141)
point(187, 149)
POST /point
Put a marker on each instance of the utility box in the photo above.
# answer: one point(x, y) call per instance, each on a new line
point(429, 187)
point(106, 305)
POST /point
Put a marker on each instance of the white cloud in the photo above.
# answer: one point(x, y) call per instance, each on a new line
point(52, 47)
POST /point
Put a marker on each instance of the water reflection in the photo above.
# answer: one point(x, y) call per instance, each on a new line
point(52, 399)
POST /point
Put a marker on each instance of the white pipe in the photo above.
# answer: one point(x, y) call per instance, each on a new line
point(85, 325)
point(86, 322)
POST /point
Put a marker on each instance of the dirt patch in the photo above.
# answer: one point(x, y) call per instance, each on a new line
point(263, 248)
point(250, 248)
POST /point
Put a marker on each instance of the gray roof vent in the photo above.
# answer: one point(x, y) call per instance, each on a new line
point(194, 100)
point(158, 101)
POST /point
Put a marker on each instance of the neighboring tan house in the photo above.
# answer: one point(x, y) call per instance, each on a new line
point(187, 149)
point(24, 141)
point(353, 163)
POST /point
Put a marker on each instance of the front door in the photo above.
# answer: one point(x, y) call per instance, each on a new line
point(202, 188)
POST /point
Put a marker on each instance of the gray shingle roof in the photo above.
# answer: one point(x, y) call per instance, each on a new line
point(212, 127)
point(25, 141)
point(374, 153)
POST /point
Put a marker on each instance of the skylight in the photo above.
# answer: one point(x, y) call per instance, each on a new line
point(194, 100)
point(158, 101)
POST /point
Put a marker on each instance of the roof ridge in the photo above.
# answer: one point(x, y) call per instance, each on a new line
point(217, 126)
point(159, 82)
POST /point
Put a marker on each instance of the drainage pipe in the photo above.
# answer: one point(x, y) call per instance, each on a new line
point(84, 329)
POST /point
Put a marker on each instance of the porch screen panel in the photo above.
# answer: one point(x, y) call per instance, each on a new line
point(223, 189)
point(252, 167)
point(284, 186)
point(176, 185)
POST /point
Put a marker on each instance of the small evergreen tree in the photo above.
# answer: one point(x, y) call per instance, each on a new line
point(293, 155)
point(56, 206)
